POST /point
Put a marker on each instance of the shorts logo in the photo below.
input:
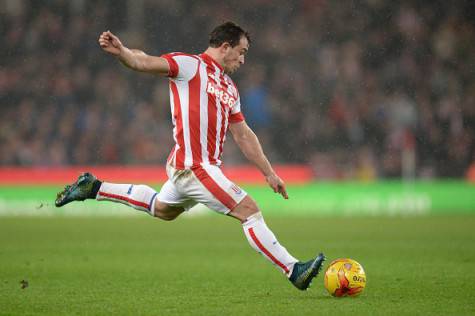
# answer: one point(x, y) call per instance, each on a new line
point(236, 189)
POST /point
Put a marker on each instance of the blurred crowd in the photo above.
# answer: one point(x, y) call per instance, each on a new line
point(357, 89)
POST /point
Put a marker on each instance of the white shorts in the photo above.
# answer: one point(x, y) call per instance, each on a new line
point(205, 184)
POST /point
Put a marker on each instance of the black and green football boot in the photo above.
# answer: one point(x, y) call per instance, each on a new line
point(85, 187)
point(304, 272)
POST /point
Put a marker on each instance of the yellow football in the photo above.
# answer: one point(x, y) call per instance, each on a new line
point(345, 277)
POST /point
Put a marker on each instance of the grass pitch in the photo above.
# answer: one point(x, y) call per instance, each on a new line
point(204, 266)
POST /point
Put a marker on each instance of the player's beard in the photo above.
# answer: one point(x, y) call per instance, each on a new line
point(231, 70)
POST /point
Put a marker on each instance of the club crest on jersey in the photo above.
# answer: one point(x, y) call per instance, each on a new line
point(236, 189)
point(223, 96)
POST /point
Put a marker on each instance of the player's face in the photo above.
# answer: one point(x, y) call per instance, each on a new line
point(234, 57)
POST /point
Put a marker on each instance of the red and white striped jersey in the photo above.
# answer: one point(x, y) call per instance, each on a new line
point(203, 101)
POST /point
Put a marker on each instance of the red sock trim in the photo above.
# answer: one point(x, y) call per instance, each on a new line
point(265, 251)
point(125, 199)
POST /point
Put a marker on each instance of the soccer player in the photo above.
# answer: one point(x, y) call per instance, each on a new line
point(204, 104)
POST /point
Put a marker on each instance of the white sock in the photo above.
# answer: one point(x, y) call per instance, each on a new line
point(262, 239)
point(141, 197)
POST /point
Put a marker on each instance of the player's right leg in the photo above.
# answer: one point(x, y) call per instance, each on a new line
point(263, 240)
point(140, 197)
point(211, 187)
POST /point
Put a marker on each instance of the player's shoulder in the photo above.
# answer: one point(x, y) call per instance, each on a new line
point(181, 54)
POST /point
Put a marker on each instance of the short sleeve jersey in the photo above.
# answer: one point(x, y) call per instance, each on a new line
point(204, 101)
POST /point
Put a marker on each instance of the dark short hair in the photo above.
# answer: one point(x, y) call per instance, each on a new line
point(227, 32)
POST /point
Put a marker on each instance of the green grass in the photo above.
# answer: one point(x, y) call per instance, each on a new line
point(204, 266)
point(320, 198)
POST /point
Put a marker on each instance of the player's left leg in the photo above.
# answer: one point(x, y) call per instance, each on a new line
point(140, 197)
point(162, 205)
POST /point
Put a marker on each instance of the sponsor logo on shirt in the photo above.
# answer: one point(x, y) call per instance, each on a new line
point(223, 96)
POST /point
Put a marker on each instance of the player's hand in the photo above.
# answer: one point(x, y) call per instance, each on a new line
point(110, 43)
point(276, 183)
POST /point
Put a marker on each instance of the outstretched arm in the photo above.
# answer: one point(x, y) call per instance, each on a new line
point(252, 149)
point(132, 58)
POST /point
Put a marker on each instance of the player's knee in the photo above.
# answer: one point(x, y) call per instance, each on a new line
point(165, 217)
point(165, 212)
point(250, 206)
point(246, 208)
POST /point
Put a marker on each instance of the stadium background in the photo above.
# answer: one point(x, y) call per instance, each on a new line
point(367, 109)
point(355, 91)
point(354, 80)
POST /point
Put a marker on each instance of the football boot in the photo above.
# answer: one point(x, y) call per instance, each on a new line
point(304, 272)
point(85, 187)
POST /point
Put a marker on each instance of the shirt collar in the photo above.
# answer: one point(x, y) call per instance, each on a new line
point(207, 58)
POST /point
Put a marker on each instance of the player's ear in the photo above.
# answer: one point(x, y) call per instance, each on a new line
point(225, 47)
